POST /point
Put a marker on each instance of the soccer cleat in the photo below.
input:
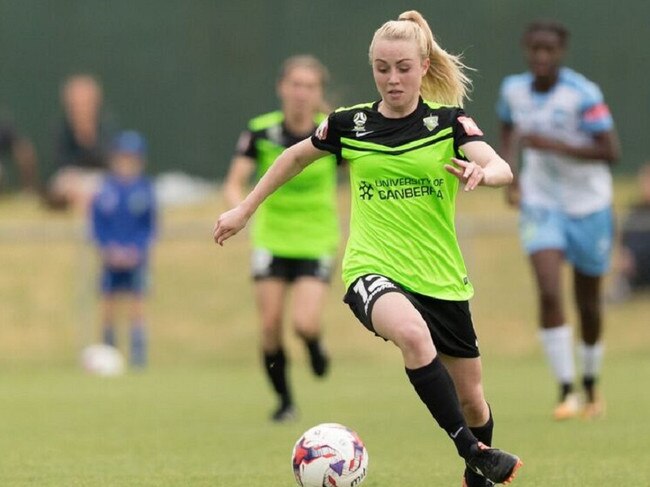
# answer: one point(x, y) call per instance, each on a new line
point(484, 483)
point(476, 481)
point(569, 408)
point(284, 414)
point(495, 465)
point(593, 409)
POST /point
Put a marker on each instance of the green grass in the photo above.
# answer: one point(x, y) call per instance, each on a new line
point(198, 415)
point(206, 426)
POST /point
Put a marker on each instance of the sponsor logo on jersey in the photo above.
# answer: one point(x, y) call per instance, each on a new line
point(430, 122)
point(365, 190)
point(402, 188)
point(321, 131)
point(470, 126)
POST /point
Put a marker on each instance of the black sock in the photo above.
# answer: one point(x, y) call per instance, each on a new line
point(484, 435)
point(566, 388)
point(436, 390)
point(589, 383)
point(318, 359)
point(276, 365)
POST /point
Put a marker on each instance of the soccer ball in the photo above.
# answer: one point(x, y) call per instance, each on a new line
point(102, 360)
point(329, 455)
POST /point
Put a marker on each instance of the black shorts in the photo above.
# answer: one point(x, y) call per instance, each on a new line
point(449, 322)
point(265, 265)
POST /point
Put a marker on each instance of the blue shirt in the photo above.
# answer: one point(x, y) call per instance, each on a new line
point(124, 213)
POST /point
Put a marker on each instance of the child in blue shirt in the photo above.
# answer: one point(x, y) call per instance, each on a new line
point(123, 226)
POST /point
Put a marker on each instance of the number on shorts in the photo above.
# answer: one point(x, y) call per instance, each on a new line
point(374, 281)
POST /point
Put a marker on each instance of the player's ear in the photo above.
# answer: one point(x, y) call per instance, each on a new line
point(425, 66)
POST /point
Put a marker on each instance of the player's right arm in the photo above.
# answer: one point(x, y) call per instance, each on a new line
point(291, 162)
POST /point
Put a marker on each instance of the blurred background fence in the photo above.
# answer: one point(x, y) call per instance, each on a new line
point(189, 74)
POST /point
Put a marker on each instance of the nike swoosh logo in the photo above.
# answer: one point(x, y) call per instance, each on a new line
point(361, 134)
point(454, 435)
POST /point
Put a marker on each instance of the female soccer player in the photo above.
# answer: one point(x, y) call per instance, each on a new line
point(407, 283)
point(295, 233)
point(559, 120)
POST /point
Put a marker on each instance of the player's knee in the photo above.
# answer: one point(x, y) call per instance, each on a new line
point(413, 337)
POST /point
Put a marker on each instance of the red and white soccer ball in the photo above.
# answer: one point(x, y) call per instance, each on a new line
point(102, 360)
point(329, 455)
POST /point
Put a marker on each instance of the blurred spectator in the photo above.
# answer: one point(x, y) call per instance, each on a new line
point(82, 144)
point(123, 225)
point(633, 261)
point(20, 150)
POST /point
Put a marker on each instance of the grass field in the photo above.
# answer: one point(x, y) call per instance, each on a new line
point(198, 415)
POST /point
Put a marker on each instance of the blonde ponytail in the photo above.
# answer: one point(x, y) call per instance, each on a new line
point(445, 81)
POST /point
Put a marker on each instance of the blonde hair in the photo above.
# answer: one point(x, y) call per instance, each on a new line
point(445, 81)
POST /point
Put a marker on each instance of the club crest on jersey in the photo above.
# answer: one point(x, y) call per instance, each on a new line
point(430, 122)
point(470, 126)
point(359, 120)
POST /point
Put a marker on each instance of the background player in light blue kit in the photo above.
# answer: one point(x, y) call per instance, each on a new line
point(124, 225)
point(559, 120)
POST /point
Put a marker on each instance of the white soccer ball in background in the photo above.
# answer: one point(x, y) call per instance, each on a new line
point(102, 360)
point(329, 455)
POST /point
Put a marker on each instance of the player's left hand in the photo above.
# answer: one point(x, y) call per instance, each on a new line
point(467, 172)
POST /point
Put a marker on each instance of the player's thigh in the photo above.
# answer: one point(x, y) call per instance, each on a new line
point(395, 318)
point(547, 266)
point(309, 294)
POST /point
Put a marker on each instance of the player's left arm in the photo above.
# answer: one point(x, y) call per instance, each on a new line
point(484, 166)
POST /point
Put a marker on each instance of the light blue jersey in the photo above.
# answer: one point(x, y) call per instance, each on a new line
point(571, 112)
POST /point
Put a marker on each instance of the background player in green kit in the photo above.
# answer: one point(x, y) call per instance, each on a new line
point(295, 233)
point(404, 271)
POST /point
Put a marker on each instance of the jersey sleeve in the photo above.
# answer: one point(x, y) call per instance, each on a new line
point(503, 109)
point(465, 129)
point(595, 116)
point(246, 145)
point(327, 136)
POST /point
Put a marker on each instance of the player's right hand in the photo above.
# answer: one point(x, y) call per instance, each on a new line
point(229, 224)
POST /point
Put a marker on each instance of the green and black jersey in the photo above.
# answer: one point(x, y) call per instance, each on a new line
point(403, 200)
point(299, 220)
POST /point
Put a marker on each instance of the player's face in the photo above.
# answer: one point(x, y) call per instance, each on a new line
point(544, 51)
point(301, 91)
point(398, 71)
point(126, 166)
